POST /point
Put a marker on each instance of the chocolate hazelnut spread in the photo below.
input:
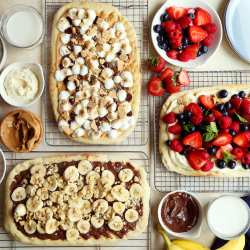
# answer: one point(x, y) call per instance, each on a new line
point(180, 212)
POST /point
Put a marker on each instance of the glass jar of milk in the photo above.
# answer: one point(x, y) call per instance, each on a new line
point(22, 26)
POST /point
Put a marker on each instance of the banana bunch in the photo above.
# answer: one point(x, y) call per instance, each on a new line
point(180, 244)
point(236, 244)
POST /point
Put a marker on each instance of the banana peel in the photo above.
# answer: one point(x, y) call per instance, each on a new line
point(189, 245)
point(168, 243)
point(236, 244)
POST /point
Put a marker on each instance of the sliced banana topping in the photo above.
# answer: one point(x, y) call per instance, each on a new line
point(38, 169)
point(96, 221)
point(30, 227)
point(51, 183)
point(20, 210)
point(83, 226)
point(84, 167)
point(136, 191)
point(107, 178)
point(126, 175)
point(119, 207)
point(131, 215)
point(34, 204)
point(74, 214)
point(116, 223)
point(71, 174)
point(72, 234)
point(86, 207)
point(18, 194)
point(100, 206)
point(92, 177)
point(120, 193)
point(51, 226)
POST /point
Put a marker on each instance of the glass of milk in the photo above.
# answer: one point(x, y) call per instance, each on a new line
point(22, 26)
point(228, 217)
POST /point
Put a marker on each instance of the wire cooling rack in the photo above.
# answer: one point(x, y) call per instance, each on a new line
point(167, 181)
point(136, 12)
point(142, 242)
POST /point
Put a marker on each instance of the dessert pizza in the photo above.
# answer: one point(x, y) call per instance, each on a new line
point(206, 132)
point(95, 73)
point(75, 200)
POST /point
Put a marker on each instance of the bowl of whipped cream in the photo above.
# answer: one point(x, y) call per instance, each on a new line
point(22, 84)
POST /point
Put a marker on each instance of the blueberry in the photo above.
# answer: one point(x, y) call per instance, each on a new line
point(221, 163)
point(232, 132)
point(246, 166)
point(225, 113)
point(168, 142)
point(234, 96)
point(164, 46)
point(188, 114)
point(159, 39)
point(204, 49)
point(164, 17)
point(191, 15)
point(185, 42)
point(179, 48)
point(231, 164)
point(228, 105)
point(244, 127)
point(181, 117)
point(199, 53)
point(222, 93)
point(212, 150)
point(221, 107)
point(242, 94)
point(157, 28)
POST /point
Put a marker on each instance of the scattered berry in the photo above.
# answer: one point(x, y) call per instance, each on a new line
point(173, 54)
point(202, 17)
point(155, 87)
point(175, 129)
point(194, 140)
point(176, 12)
point(225, 122)
point(197, 34)
point(207, 101)
point(176, 145)
point(157, 64)
point(169, 118)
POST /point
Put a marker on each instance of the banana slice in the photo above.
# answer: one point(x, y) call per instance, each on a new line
point(86, 192)
point(51, 183)
point(43, 193)
point(83, 226)
point(136, 191)
point(34, 204)
point(18, 194)
point(72, 234)
point(86, 207)
point(76, 202)
point(119, 207)
point(131, 215)
point(30, 227)
point(107, 178)
point(109, 197)
point(109, 214)
point(38, 169)
point(74, 214)
point(20, 210)
point(30, 190)
point(120, 193)
point(96, 221)
point(116, 223)
point(71, 174)
point(51, 226)
point(71, 188)
point(37, 179)
point(100, 206)
point(40, 229)
point(92, 177)
point(84, 167)
point(126, 175)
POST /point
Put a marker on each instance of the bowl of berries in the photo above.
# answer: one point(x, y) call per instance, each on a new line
point(186, 33)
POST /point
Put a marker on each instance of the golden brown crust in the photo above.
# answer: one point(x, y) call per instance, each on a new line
point(134, 68)
point(168, 156)
point(10, 225)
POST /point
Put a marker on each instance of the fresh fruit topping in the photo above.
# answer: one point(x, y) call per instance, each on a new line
point(171, 86)
point(175, 129)
point(209, 118)
point(220, 152)
point(222, 139)
point(235, 125)
point(194, 140)
point(209, 40)
point(217, 114)
point(173, 54)
point(208, 166)
point(185, 22)
point(197, 34)
point(210, 28)
point(244, 127)
point(176, 12)
point(225, 122)
point(196, 111)
point(207, 101)
point(167, 72)
point(155, 87)
point(157, 28)
point(164, 17)
point(242, 94)
point(236, 102)
point(222, 93)
point(231, 164)
point(202, 50)
point(169, 26)
point(157, 64)
point(245, 108)
point(169, 118)
point(202, 17)
point(189, 53)
point(241, 140)
point(210, 132)
point(212, 150)
point(176, 145)
point(183, 78)
point(197, 159)
point(246, 158)
point(221, 164)
point(175, 38)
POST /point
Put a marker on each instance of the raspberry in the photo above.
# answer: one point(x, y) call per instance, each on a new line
point(169, 118)
point(176, 145)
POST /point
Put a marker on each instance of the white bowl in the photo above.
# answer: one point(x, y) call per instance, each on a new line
point(4, 51)
point(194, 233)
point(3, 166)
point(190, 4)
point(34, 67)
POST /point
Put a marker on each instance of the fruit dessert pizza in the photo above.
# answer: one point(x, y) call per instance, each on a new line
point(75, 200)
point(95, 73)
point(207, 132)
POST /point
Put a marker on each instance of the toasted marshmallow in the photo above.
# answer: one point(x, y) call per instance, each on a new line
point(79, 132)
point(66, 62)
point(107, 73)
point(65, 38)
point(95, 64)
point(105, 127)
point(63, 24)
point(64, 95)
point(84, 70)
point(84, 28)
point(59, 75)
point(91, 14)
point(85, 103)
point(106, 47)
point(127, 49)
point(117, 79)
point(108, 84)
point(126, 106)
point(72, 13)
point(20, 210)
point(74, 125)
point(101, 54)
point(71, 86)
point(80, 119)
point(76, 69)
point(66, 107)
point(122, 95)
point(77, 22)
point(80, 60)
point(67, 72)
point(64, 51)
point(102, 111)
point(86, 125)
point(110, 57)
point(63, 124)
point(112, 107)
point(78, 108)
point(116, 47)
point(113, 133)
point(119, 27)
point(81, 13)
point(104, 25)
point(77, 49)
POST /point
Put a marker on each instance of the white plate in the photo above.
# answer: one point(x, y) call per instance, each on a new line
point(238, 28)
point(189, 4)
point(2, 166)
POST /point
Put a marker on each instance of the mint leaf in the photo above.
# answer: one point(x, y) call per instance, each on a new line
point(207, 112)
point(208, 137)
point(227, 156)
point(212, 127)
point(240, 118)
point(187, 127)
point(211, 132)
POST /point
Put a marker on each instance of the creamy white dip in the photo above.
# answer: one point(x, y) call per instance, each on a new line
point(21, 85)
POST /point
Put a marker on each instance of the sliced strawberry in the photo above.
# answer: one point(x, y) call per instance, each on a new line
point(176, 145)
point(209, 40)
point(155, 87)
point(217, 114)
point(246, 158)
point(219, 153)
point(207, 101)
point(169, 118)
point(208, 166)
point(169, 26)
point(183, 78)
point(194, 140)
point(238, 153)
point(231, 111)
point(210, 28)
point(167, 72)
point(197, 34)
point(173, 54)
point(209, 118)
point(176, 12)
point(175, 38)
point(225, 122)
point(189, 53)
point(185, 22)
point(157, 64)
point(222, 139)
point(197, 114)
point(197, 159)
point(202, 17)
point(241, 140)
point(236, 102)
point(235, 126)
point(171, 86)
point(245, 107)
point(175, 129)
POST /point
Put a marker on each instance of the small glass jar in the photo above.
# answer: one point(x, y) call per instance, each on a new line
point(22, 26)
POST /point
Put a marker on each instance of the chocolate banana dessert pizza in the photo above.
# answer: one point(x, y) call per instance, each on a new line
point(75, 200)
point(206, 132)
point(95, 73)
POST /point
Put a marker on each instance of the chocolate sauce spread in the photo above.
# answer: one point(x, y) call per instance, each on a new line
point(180, 212)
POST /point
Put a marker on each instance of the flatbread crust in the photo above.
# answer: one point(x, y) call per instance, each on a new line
point(10, 225)
point(134, 67)
point(168, 156)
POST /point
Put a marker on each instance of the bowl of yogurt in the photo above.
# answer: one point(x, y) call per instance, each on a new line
point(22, 84)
